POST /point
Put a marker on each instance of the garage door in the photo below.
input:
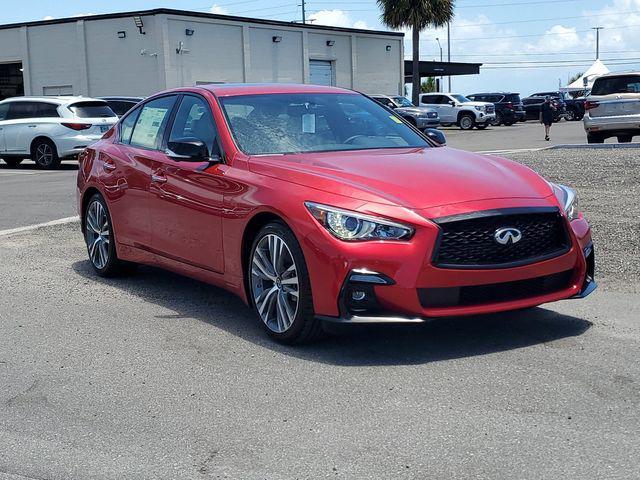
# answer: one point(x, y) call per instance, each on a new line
point(321, 72)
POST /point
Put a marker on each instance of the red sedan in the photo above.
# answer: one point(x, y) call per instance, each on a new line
point(318, 204)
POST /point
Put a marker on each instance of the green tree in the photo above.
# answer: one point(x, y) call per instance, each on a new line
point(416, 15)
point(428, 85)
point(575, 77)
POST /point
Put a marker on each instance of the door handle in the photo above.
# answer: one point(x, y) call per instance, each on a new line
point(108, 166)
point(32, 126)
point(158, 178)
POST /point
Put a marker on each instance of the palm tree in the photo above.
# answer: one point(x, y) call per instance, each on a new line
point(417, 15)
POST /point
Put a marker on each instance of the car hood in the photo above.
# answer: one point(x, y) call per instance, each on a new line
point(415, 178)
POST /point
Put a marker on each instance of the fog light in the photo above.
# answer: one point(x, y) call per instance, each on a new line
point(358, 295)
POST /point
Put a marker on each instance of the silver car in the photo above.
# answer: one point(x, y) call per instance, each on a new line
point(420, 117)
point(612, 109)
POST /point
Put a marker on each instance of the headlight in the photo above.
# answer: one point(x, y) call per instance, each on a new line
point(569, 199)
point(353, 226)
point(479, 108)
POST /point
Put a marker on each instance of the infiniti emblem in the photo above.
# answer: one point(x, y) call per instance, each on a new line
point(507, 235)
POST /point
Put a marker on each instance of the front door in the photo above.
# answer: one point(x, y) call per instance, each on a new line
point(186, 201)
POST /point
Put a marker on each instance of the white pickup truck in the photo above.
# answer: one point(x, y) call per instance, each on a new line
point(457, 109)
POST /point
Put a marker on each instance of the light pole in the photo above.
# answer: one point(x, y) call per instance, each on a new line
point(597, 29)
point(440, 83)
point(449, 50)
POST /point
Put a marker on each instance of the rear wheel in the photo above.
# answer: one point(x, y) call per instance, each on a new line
point(624, 138)
point(498, 120)
point(45, 154)
point(101, 245)
point(571, 115)
point(279, 286)
point(12, 162)
point(466, 122)
point(594, 138)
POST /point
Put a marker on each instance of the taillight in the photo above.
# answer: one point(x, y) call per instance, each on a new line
point(508, 105)
point(590, 104)
point(78, 126)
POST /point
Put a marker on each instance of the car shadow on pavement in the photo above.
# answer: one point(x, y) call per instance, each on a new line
point(30, 166)
point(350, 345)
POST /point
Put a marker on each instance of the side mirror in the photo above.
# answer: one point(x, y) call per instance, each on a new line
point(188, 150)
point(452, 103)
point(391, 105)
point(436, 135)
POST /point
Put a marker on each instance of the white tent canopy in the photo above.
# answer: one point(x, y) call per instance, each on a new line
point(585, 82)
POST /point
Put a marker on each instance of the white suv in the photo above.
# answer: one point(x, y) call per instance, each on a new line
point(48, 129)
point(454, 108)
point(612, 109)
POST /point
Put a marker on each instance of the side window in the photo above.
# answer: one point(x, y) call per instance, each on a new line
point(429, 99)
point(151, 122)
point(46, 110)
point(20, 110)
point(194, 120)
point(127, 124)
point(4, 110)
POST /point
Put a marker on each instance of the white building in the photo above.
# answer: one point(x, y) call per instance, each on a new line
point(138, 53)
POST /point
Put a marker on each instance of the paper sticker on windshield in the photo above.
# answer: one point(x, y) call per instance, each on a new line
point(395, 119)
point(308, 123)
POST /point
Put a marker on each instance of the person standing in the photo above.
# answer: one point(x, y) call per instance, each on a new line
point(546, 115)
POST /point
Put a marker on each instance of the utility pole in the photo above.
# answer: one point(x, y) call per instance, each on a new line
point(441, 79)
point(304, 15)
point(449, 51)
point(597, 29)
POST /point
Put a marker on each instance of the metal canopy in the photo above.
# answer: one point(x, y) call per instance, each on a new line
point(441, 69)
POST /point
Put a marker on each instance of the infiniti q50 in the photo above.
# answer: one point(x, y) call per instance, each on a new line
point(316, 204)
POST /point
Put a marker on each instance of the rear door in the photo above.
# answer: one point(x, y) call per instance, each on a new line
point(126, 166)
point(186, 202)
point(616, 96)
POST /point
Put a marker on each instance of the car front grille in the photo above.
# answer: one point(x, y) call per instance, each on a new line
point(494, 293)
point(468, 241)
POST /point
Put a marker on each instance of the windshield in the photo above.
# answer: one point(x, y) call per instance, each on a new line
point(303, 122)
point(91, 110)
point(461, 98)
point(403, 101)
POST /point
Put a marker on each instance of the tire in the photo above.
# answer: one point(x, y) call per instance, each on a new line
point(466, 121)
point(12, 162)
point(508, 124)
point(625, 138)
point(287, 318)
point(45, 154)
point(100, 240)
point(571, 115)
point(496, 122)
point(481, 126)
point(594, 138)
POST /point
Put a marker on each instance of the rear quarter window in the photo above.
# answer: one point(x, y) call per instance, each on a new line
point(619, 84)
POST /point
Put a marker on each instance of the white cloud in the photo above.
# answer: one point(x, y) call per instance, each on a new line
point(336, 18)
point(218, 9)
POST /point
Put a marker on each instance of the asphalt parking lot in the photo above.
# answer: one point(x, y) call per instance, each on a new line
point(158, 376)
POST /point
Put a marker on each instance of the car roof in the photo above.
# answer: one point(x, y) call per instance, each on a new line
point(494, 93)
point(58, 100)
point(233, 89)
point(123, 98)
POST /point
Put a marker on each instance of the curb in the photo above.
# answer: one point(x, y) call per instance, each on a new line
point(598, 146)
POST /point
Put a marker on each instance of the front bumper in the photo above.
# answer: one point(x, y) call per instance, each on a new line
point(427, 122)
point(388, 283)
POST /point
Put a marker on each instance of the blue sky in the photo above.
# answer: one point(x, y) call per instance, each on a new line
point(525, 45)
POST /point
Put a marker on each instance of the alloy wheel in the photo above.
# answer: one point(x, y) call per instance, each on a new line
point(44, 155)
point(97, 234)
point(274, 283)
point(466, 123)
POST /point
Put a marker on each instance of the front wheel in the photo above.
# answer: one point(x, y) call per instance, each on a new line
point(466, 122)
point(279, 286)
point(594, 138)
point(497, 121)
point(101, 245)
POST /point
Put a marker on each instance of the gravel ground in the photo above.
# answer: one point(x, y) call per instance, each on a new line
point(158, 376)
point(608, 185)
